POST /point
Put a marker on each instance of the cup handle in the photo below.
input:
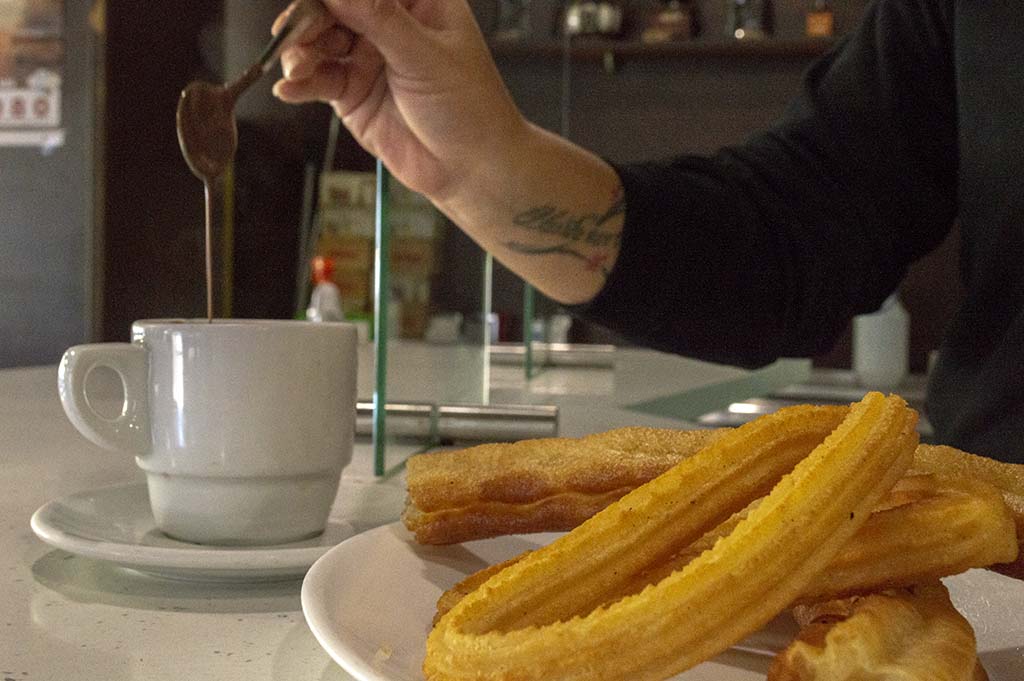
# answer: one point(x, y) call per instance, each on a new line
point(129, 431)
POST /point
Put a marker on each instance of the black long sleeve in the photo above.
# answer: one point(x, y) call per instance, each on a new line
point(767, 248)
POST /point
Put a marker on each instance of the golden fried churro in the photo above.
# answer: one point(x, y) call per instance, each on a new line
point(545, 485)
point(555, 484)
point(1007, 477)
point(549, 484)
point(926, 527)
point(940, 526)
point(911, 634)
point(537, 619)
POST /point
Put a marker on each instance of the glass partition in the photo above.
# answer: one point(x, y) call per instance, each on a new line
point(420, 292)
point(457, 349)
point(432, 325)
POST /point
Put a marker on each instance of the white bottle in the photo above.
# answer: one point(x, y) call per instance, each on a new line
point(325, 301)
point(558, 328)
point(881, 346)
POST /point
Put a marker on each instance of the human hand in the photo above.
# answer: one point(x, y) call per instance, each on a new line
point(413, 81)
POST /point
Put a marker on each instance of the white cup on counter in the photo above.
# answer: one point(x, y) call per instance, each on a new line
point(881, 346)
point(242, 427)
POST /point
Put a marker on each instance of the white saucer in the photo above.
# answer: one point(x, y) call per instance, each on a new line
point(115, 524)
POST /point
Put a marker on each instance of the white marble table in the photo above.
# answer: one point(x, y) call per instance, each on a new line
point(67, 617)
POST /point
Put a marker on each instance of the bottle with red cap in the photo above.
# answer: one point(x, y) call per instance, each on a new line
point(325, 301)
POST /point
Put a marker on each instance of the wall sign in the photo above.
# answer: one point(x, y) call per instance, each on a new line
point(31, 69)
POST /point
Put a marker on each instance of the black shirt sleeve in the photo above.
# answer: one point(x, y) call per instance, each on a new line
point(766, 249)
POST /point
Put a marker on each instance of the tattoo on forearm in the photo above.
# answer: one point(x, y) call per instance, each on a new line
point(590, 230)
point(593, 263)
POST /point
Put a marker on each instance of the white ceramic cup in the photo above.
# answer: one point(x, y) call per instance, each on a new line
point(242, 426)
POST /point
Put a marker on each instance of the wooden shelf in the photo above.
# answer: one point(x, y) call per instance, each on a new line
point(594, 49)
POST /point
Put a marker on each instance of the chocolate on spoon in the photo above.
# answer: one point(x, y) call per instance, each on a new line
point(207, 131)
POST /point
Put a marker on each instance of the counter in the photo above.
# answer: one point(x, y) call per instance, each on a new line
point(67, 617)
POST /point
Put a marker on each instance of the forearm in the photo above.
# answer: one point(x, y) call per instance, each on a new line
point(417, 87)
point(549, 210)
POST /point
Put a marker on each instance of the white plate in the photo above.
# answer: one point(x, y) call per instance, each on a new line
point(116, 524)
point(370, 601)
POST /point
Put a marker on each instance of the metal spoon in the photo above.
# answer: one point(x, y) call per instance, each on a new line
point(207, 131)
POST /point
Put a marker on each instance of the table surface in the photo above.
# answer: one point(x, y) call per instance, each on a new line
point(64, 616)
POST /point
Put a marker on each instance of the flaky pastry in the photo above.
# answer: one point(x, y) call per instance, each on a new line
point(910, 634)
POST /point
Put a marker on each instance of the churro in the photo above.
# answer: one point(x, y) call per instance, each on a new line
point(1007, 477)
point(547, 617)
point(555, 484)
point(926, 527)
point(940, 526)
point(549, 484)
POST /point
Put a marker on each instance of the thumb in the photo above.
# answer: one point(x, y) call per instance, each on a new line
point(386, 24)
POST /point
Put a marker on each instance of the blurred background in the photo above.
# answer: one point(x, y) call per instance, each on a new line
point(101, 221)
